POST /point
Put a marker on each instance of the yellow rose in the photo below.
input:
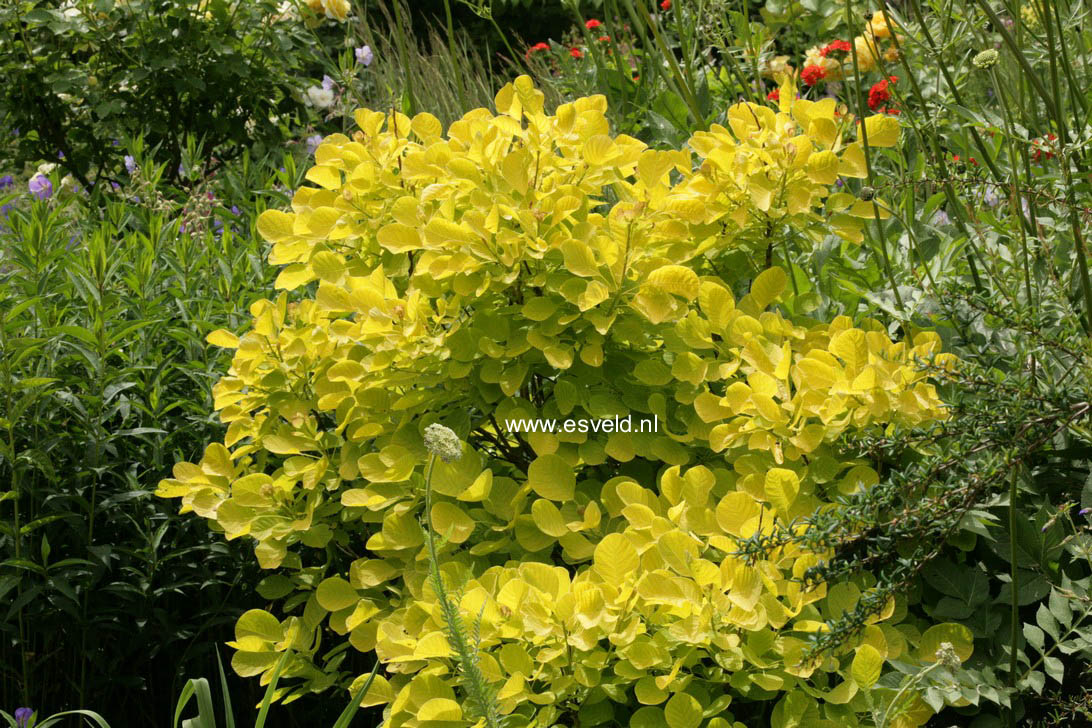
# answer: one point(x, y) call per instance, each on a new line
point(337, 9)
point(891, 54)
point(867, 52)
point(879, 26)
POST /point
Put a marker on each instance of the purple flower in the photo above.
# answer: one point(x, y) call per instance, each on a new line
point(115, 185)
point(181, 171)
point(60, 155)
point(327, 82)
point(839, 182)
point(130, 164)
point(234, 210)
point(23, 716)
point(990, 198)
point(115, 143)
point(941, 218)
point(364, 55)
point(41, 186)
point(312, 144)
point(7, 182)
point(1084, 511)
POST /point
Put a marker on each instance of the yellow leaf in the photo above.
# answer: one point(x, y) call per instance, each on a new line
point(274, 225)
point(324, 175)
point(452, 522)
point(683, 711)
point(294, 276)
point(675, 279)
point(552, 477)
point(548, 518)
point(335, 593)
point(781, 488)
point(867, 666)
point(769, 284)
point(823, 167)
point(223, 338)
point(853, 162)
point(615, 559)
point(882, 130)
point(398, 238)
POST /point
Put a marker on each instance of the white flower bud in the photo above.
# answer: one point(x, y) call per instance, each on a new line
point(946, 655)
point(443, 442)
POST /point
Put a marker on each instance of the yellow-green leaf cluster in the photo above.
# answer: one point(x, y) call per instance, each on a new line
point(523, 265)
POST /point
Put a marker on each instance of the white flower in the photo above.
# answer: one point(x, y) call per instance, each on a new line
point(320, 97)
point(946, 655)
point(45, 168)
point(443, 443)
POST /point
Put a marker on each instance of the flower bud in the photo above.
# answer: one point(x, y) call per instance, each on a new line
point(946, 655)
point(985, 59)
point(867, 193)
point(443, 443)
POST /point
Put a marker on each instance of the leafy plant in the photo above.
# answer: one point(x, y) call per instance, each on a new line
point(83, 75)
point(595, 277)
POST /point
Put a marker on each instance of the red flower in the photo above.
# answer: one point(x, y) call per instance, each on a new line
point(774, 95)
point(665, 5)
point(812, 75)
point(604, 38)
point(592, 24)
point(879, 93)
point(838, 45)
point(575, 53)
point(536, 48)
point(1042, 147)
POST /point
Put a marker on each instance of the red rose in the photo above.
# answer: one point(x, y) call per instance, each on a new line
point(592, 24)
point(604, 38)
point(774, 95)
point(812, 75)
point(575, 53)
point(665, 5)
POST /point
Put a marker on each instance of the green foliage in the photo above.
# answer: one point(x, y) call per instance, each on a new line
point(81, 76)
point(104, 380)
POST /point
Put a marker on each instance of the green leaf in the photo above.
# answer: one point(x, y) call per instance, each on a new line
point(683, 711)
point(867, 666)
point(260, 623)
point(335, 593)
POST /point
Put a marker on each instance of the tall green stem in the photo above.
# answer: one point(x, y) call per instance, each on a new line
point(1014, 601)
point(479, 691)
